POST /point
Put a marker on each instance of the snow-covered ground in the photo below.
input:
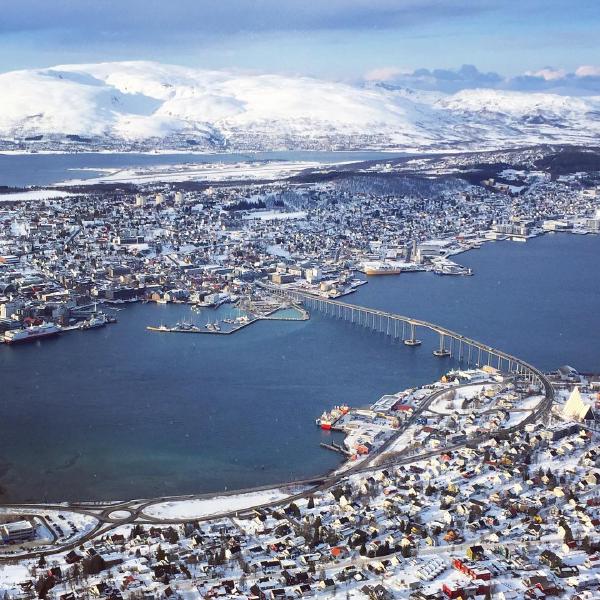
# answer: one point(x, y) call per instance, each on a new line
point(212, 172)
point(194, 509)
point(34, 195)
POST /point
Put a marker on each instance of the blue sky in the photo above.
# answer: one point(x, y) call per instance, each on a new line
point(336, 39)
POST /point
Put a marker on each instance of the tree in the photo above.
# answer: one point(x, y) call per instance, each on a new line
point(160, 554)
point(586, 544)
point(293, 509)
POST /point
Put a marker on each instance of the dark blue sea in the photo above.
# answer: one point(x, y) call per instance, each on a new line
point(122, 412)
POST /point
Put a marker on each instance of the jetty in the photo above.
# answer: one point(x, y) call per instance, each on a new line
point(336, 448)
point(303, 315)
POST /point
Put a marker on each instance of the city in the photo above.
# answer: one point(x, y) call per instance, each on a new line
point(299, 300)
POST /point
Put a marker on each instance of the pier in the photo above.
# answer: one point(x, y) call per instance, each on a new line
point(303, 315)
point(336, 448)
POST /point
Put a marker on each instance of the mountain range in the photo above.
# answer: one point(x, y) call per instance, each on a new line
point(129, 105)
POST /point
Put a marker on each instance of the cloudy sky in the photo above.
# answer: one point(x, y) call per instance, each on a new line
point(515, 44)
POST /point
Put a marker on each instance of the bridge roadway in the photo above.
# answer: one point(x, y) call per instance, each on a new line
point(470, 351)
point(134, 509)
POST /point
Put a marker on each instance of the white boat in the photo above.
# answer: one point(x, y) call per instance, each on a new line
point(30, 334)
point(95, 321)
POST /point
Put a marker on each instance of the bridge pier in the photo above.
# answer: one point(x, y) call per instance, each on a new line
point(412, 341)
point(441, 352)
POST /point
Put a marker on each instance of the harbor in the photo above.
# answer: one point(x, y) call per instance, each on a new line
point(230, 325)
point(170, 400)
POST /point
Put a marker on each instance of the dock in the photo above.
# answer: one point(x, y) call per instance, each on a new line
point(270, 316)
point(336, 448)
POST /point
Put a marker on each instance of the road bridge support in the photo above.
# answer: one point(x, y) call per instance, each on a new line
point(442, 352)
point(412, 340)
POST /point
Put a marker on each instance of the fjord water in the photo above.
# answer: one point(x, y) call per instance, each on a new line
point(538, 300)
point(18, 170)
point(122, 412)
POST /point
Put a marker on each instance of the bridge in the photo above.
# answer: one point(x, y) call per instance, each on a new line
point(406, 329)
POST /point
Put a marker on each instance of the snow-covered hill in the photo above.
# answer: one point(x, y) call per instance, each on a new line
point(137, 104)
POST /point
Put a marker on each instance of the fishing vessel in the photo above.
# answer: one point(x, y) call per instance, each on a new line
point(328, 419)
point(30, 334)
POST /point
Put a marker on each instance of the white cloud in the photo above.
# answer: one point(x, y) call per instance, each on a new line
point(548, 74)
point(385, 74)
point(588, 71)
point(583, 81)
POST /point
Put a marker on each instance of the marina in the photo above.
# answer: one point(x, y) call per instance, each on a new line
point(230, 325)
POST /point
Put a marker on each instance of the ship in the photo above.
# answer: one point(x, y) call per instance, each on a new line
point(382, 269)
point(328, 419)
point(30, 334)
point(95, 321)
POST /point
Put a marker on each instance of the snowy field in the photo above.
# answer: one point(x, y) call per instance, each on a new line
point(34, 195)
point(211, 172)
point(194, 509)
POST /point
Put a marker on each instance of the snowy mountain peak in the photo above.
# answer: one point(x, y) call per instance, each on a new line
point(135, 103)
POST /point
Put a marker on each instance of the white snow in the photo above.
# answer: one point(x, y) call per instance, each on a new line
point(269, 170)
point(147, 100)
point(193, 509)
point(34, 195)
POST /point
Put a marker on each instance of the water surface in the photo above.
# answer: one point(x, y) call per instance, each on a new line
point(122, 412)
point(46, 169)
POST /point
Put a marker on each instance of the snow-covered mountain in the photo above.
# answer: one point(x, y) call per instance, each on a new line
point(137, 104)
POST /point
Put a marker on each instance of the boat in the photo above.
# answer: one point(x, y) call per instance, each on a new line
point(328, 419)
point(95, 321)
point(382, 268)
point(30, 334)
point(186, 327)
point(161, 327)
point(214, 327)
